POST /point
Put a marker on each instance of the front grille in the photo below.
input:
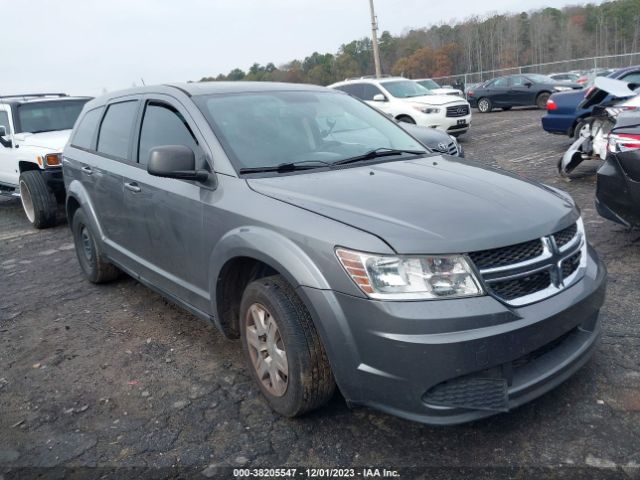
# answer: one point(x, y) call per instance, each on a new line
point(458, 111)
point(500, 257)
point(489, 389)
point(450, 148)
point(565, 236)
point(470, 392)
point(519, 287)
point(571, 264)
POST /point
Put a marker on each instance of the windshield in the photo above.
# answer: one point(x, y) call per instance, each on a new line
point(39, 117)
point(428, 83)
point(537, 78)
point(266, 129)
point(405, 89)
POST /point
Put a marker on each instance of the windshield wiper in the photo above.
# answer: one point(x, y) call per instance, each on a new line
point(377, 153)
point(287, 167)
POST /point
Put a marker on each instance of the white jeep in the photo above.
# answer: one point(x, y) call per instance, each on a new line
point(34, 129)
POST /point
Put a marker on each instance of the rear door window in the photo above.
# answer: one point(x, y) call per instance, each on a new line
point(84, 136)
point(369, 91)
point(115, 131)
point(164, 125)
point(354, 89)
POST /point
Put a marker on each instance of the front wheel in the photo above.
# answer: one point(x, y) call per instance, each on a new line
point(284, 352)
point(38, 203)
point(484, 105)
point(541, 100)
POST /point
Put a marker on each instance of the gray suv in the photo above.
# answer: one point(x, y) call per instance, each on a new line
point(336, 247)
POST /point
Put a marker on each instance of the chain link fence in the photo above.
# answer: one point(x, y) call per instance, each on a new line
point(589, 66)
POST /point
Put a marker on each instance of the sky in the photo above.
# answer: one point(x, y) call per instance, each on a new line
point(84, 47)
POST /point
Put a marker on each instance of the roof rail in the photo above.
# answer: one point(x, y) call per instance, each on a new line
point(35, 95)
point(366, 77)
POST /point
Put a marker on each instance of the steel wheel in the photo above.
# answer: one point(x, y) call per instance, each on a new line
point(266, 349)
point(27, 201)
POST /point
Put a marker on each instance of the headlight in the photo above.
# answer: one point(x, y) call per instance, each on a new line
point(427, 110)
point(388, 277)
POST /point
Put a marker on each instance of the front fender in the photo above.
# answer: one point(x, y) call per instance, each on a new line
point(269, 247)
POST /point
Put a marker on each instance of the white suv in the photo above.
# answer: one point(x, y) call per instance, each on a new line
point(34, 129)
point(409, 102)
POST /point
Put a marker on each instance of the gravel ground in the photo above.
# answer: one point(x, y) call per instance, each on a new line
point(113, 376)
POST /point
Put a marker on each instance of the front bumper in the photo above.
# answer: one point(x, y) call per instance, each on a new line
point(451, 125)
point(412, 359)
point(53, 178)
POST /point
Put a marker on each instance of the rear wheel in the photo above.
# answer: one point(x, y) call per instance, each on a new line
point(92, 262)
point(406, 119)
point(38, 202)
point(541, 100)
point(484, 105)
point(284, 352)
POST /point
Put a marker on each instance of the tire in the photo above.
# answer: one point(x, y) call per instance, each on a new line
point(484, 105)
point(90, 257)
point(406, 119)
point(38, 202)
point(308, 381)
point(541, 100)
point(506, 109)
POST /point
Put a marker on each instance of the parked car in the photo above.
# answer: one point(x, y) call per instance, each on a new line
point(339, 250)
point(563, 112)
point(409, 102)
point(435, 140)
point(33, 130)
point(618, 179)
point(516, 91)
point(565, 77)
point(438, 89)
point(588, 76)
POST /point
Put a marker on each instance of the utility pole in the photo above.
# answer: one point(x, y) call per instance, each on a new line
point(374, 40)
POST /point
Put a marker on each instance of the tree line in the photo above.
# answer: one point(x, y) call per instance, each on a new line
point(475, 44)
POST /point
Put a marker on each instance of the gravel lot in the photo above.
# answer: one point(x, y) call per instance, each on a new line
point(114, 376)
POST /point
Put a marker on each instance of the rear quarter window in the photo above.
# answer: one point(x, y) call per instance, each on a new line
point(84, 136)
point(116, 129)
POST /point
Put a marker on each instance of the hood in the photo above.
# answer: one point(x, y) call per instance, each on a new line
point(428, 205)
point(435, 99)
point(51, 140)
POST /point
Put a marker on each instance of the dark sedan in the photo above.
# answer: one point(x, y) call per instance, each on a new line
point(618, 180)
point(516, 91)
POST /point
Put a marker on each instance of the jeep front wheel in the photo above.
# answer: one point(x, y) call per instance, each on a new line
point(284, 352)
point(38, 202)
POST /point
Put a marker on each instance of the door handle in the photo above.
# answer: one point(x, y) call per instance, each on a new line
point(133, 186)
point(87, 170)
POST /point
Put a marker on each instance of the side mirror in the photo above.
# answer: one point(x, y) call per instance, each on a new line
point(175, 161)
point(3, 133)
point(378, 97)
point(528, 84)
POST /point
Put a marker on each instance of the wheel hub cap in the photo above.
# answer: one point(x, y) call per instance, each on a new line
point(266, 349)
point(27, 202)
point(87, 247)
